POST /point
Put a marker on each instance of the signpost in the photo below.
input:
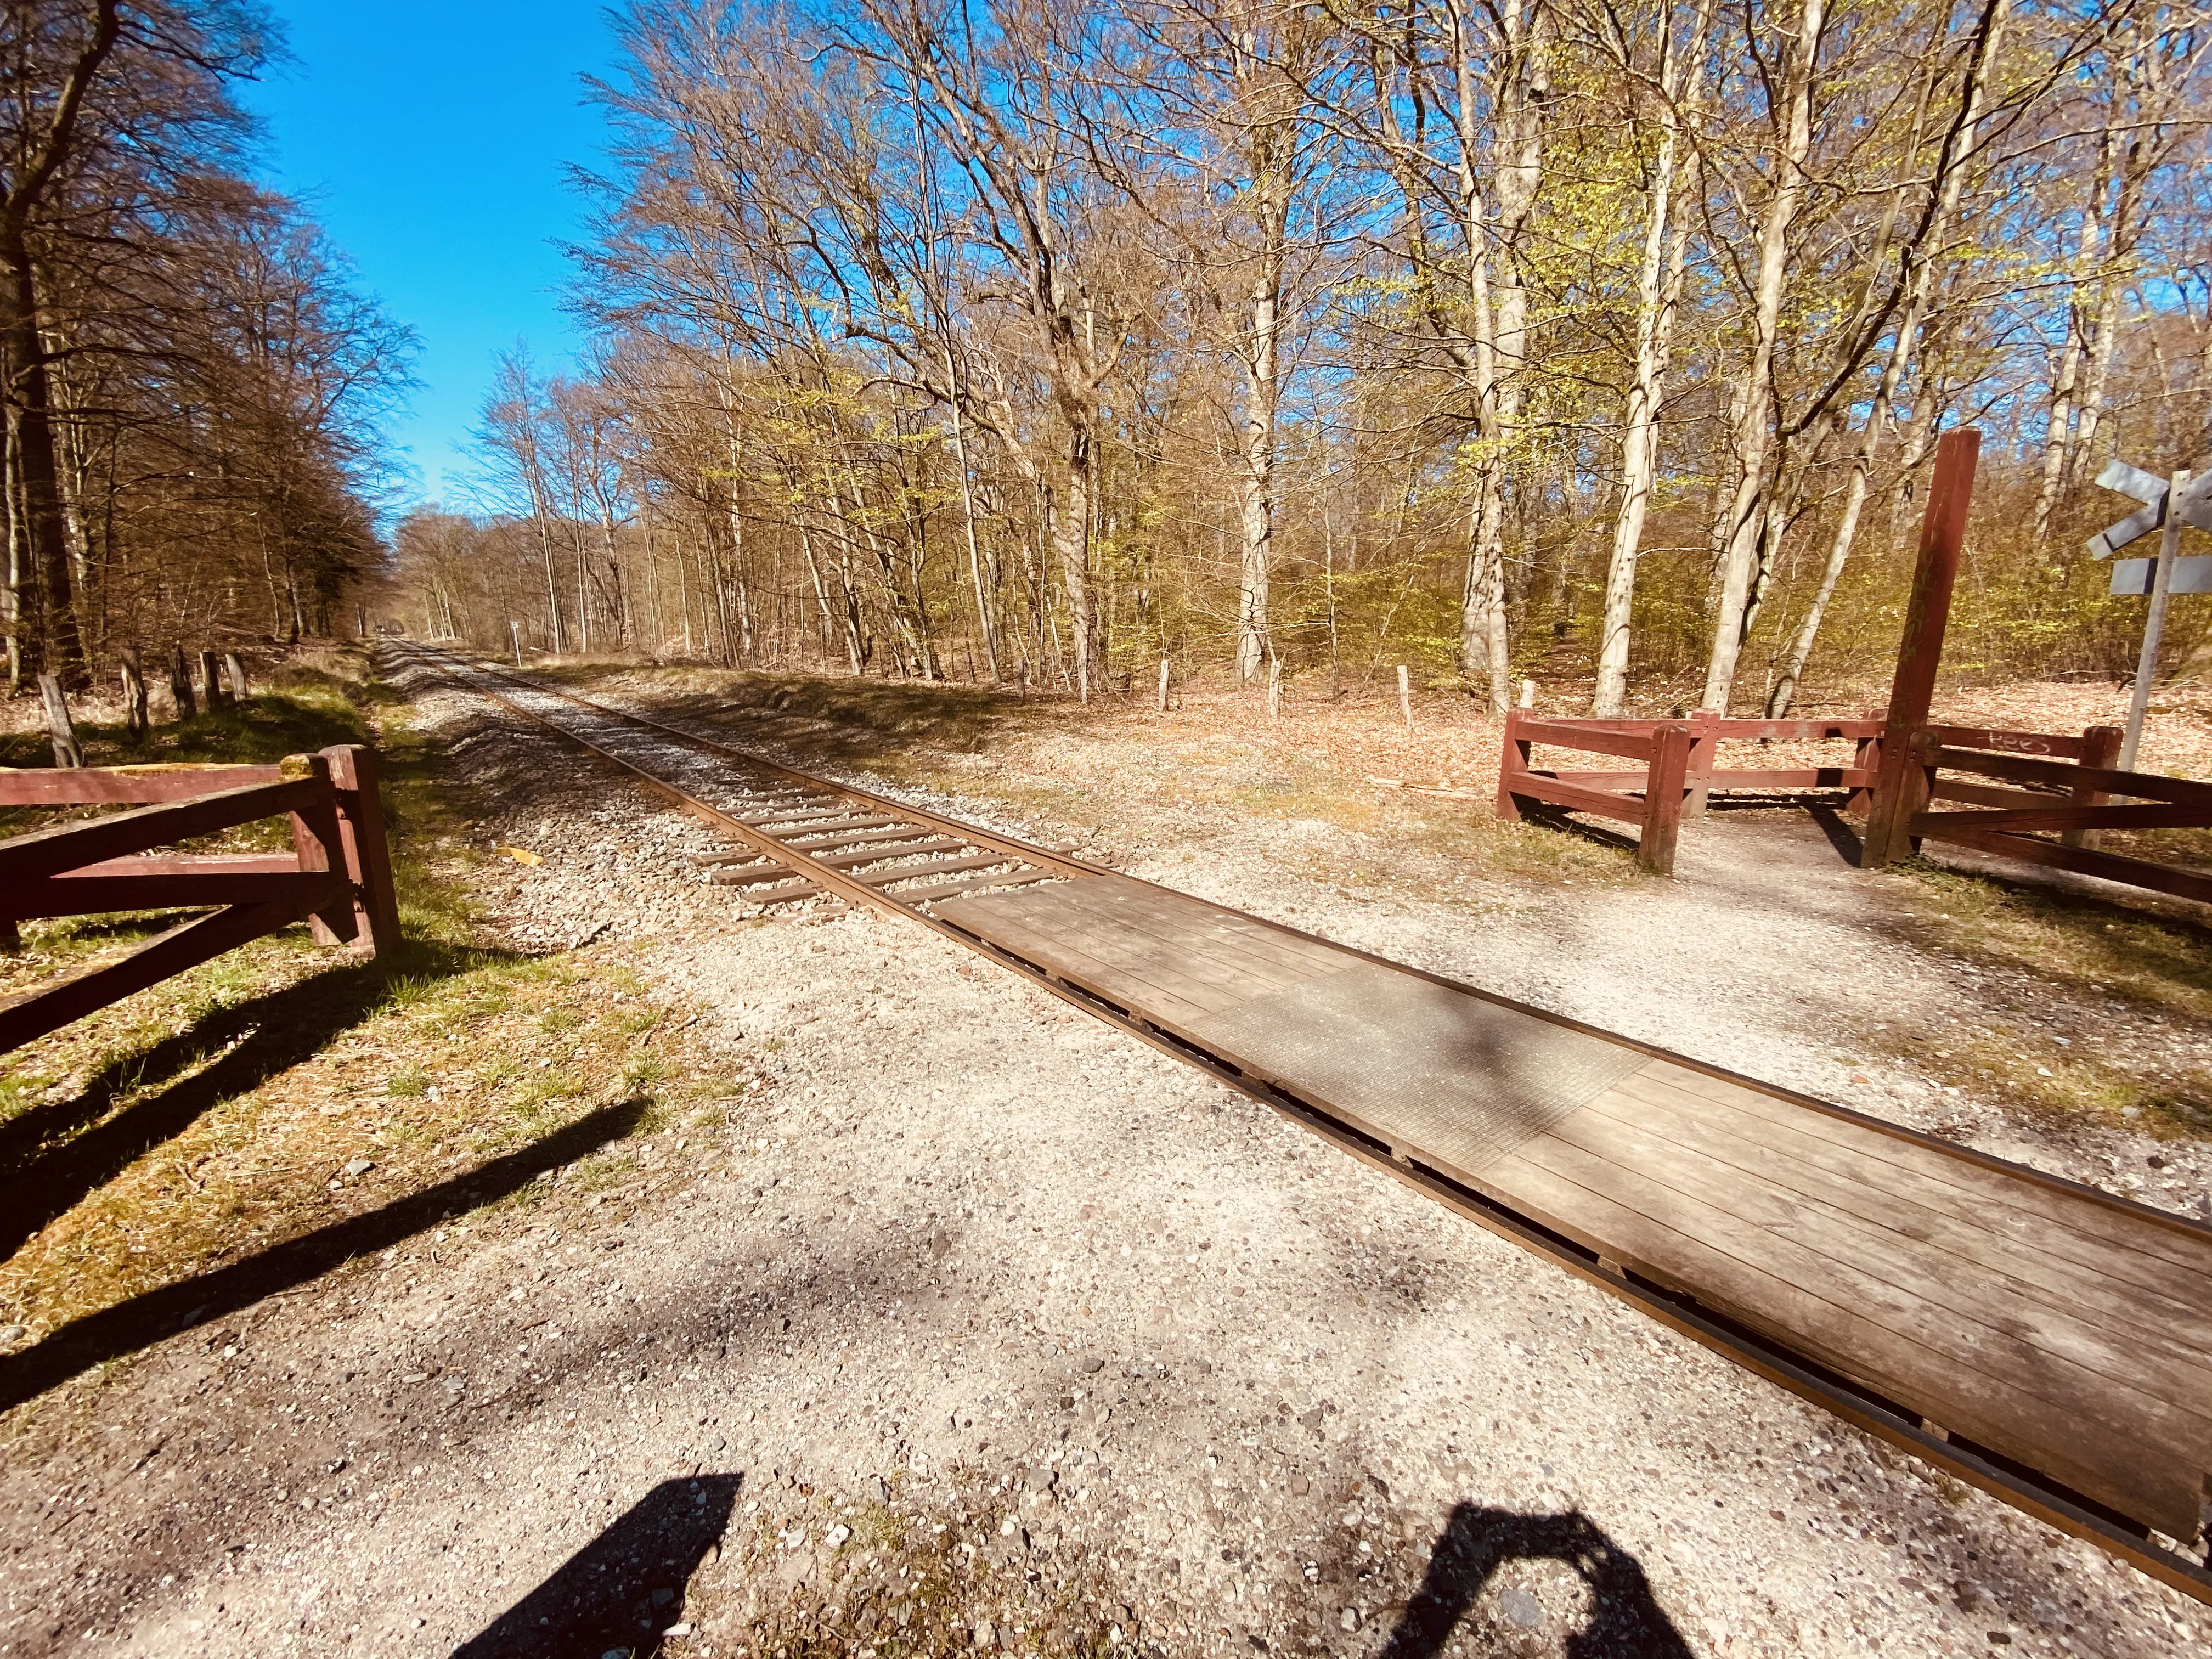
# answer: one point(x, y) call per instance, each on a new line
point(2168, 504)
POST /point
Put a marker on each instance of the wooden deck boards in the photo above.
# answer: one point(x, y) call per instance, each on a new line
point(2070, 1332)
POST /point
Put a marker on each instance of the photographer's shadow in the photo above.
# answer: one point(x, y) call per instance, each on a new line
point(624, 1589)
point(1623, 1622)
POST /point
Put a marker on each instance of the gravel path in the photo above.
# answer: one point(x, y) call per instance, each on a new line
point(1169, 1374)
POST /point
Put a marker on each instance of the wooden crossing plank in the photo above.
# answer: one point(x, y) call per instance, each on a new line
point(1169, 999)
point(1830, 1245)
point(2109, 1467)
point(2062, 1329)
point(2023, 1203)
point(2027, 1267)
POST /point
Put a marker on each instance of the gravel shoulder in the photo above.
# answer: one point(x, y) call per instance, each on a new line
point(961, 1320)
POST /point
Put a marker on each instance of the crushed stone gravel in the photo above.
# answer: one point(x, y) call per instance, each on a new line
point(965, 1253)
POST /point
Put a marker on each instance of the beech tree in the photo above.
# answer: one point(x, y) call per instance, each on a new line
point(1603, 343)
point(191, 389)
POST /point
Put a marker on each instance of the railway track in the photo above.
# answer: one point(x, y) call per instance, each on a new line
point(809, 846)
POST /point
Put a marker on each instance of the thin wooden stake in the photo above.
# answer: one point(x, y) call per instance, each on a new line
point(134, 692)
point(1527, 693)
point(1274, 688)
point(1405, 695)
point(1163, 685)
point(67, 751)
point(211, 681)
point(514, 634)
point(234, 665)
point(180, 684)
point(2169, 543)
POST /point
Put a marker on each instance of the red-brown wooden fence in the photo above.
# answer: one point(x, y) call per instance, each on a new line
point(338, 875)
point(1651, 799)
point(1621, 794)
point(2050, 797)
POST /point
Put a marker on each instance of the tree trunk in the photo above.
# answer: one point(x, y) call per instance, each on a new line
point(1071, 540)
point(55, 643)
point(1659, 280)
point(1262, 403)
point(1755, 410)
point(1950, 185)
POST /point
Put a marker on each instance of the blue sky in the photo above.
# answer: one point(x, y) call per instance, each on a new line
point(430, 140)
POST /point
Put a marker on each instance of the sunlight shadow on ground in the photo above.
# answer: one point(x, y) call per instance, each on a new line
point(1624, 1622)
point(623, 1590)
point(129, 1326)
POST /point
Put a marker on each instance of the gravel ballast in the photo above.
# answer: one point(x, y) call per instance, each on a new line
point(1172, 1374)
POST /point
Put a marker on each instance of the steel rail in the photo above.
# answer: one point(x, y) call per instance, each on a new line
point(1015, 849)
point(2004, 1479)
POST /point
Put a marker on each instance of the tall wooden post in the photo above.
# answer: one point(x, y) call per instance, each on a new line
point(211, 680)
point(1274, 688)
point(67, 751)
point(1405, 695)
point(180, 684)
point(134, 691)
point(234, 666)
point(1163, 685)
point(1900, 786)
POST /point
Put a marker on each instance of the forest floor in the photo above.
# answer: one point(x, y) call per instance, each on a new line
point(623, 1274)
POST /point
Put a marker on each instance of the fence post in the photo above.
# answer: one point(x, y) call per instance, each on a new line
point(1512, 761)
point(1867, 757)
point(234, 665)
point(2100, 746)
point(1406, 695)
point(318, 843)
point(1163, 685)
point(1704, 749)
point(361, 831)
point(67, 751)
point(514, 637)
point(211, 681)
point(1274, 688)
point(1665, 784)
point(180, 684)
point(1942, 533)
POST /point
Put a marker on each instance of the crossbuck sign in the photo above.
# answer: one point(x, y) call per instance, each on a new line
point(2168, 504)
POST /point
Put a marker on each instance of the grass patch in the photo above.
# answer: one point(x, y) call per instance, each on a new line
point(284, 1087)
point(2141, 966)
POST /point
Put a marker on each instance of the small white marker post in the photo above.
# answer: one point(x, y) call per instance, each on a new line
point(2169, 543)
point(1405, 695)
point(514, 634)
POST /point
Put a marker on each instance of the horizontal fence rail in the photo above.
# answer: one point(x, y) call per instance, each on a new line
point(337, 876)
point(1647, 798)
point(2058, 787)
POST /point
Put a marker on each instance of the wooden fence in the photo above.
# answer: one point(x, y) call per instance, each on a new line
point(2058, 795)
point(1652, 798)
point(337, 876)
